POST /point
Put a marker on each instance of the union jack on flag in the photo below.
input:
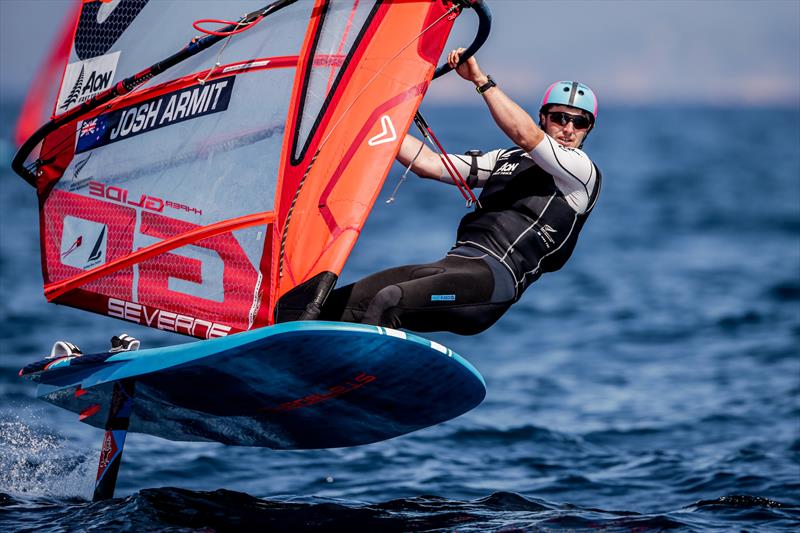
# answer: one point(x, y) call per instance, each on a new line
point(88, 127)
point(90, 133)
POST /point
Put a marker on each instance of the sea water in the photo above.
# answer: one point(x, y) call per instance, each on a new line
point(653, 383)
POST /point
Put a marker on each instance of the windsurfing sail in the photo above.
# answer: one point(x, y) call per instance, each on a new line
point(40, 101)
point(218, 186)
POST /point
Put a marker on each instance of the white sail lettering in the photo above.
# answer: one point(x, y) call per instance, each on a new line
point(115, 131)
point(183, 322)
point(133, 312)
point(199, 100)
point(152, 113)
point(150, 318)
point(180, 108)
point(141, 113)
point(217, 330)
point(116, 308)
point(218, 87)
point(203, 323)
point(126, 122)
point(166, 321)
point(167, 116)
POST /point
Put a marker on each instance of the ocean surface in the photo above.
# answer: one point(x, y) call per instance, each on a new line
point(653, 383)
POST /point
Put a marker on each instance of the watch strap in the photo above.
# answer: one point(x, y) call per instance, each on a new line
point(486, 86)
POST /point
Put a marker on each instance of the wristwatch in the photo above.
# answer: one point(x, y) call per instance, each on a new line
point(486, 86)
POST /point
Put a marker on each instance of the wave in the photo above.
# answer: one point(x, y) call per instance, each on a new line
point(173, 509)
point(35, 462)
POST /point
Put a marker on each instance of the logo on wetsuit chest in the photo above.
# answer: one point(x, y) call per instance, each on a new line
point(506, 168)
point(443, 297)
point(545, 234)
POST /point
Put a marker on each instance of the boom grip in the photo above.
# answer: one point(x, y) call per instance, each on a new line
point(484, 26)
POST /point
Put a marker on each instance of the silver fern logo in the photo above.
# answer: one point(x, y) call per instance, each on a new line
point(77, 182)
point(75, 93)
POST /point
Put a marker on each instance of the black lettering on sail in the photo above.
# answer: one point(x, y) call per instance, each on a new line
point(97, 82)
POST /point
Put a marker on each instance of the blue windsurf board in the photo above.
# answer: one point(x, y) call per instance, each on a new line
point(297, 385)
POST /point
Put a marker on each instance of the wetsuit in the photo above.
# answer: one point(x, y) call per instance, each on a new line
point(533, 206)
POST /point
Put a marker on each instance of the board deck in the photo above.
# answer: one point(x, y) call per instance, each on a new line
point(297, 385)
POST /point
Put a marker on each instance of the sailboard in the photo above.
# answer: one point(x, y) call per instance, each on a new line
point(358, 384)
point(207, 169)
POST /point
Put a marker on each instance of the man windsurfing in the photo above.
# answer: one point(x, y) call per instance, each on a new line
point(536, 197)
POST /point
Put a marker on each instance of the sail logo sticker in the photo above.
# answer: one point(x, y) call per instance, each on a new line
point(83, 243)
point(78, 182)
point(246, 66)
point(143, 201)
point(165, 320)
point(85, 79)
point(387, 135)
point(164, 110)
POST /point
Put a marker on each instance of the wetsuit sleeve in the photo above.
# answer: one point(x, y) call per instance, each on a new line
point(484, 165)
point(573, 172)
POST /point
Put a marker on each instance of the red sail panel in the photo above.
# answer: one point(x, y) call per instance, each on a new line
point(330, 181)
point(170, 285)
point(40, 100)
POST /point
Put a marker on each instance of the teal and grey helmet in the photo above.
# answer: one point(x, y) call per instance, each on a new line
point(573, 94)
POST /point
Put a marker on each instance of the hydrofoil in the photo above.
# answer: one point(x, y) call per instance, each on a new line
point(291, 386)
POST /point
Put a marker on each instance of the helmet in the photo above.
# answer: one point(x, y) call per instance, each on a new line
point(573, 94)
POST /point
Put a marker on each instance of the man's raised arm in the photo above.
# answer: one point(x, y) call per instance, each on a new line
point(510, 117)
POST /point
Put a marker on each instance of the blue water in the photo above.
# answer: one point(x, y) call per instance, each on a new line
point(653, 383)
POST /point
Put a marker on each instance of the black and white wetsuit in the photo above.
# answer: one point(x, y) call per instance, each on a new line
point(533, 206)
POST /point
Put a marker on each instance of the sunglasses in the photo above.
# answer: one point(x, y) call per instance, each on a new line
point(561, 118)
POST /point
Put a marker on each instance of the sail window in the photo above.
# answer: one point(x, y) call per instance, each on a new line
point(343, 22)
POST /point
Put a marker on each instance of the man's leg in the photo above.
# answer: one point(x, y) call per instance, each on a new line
point(453, 294)
point(350, 303)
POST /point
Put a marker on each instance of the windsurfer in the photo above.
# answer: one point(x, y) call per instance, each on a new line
point(536, 197)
